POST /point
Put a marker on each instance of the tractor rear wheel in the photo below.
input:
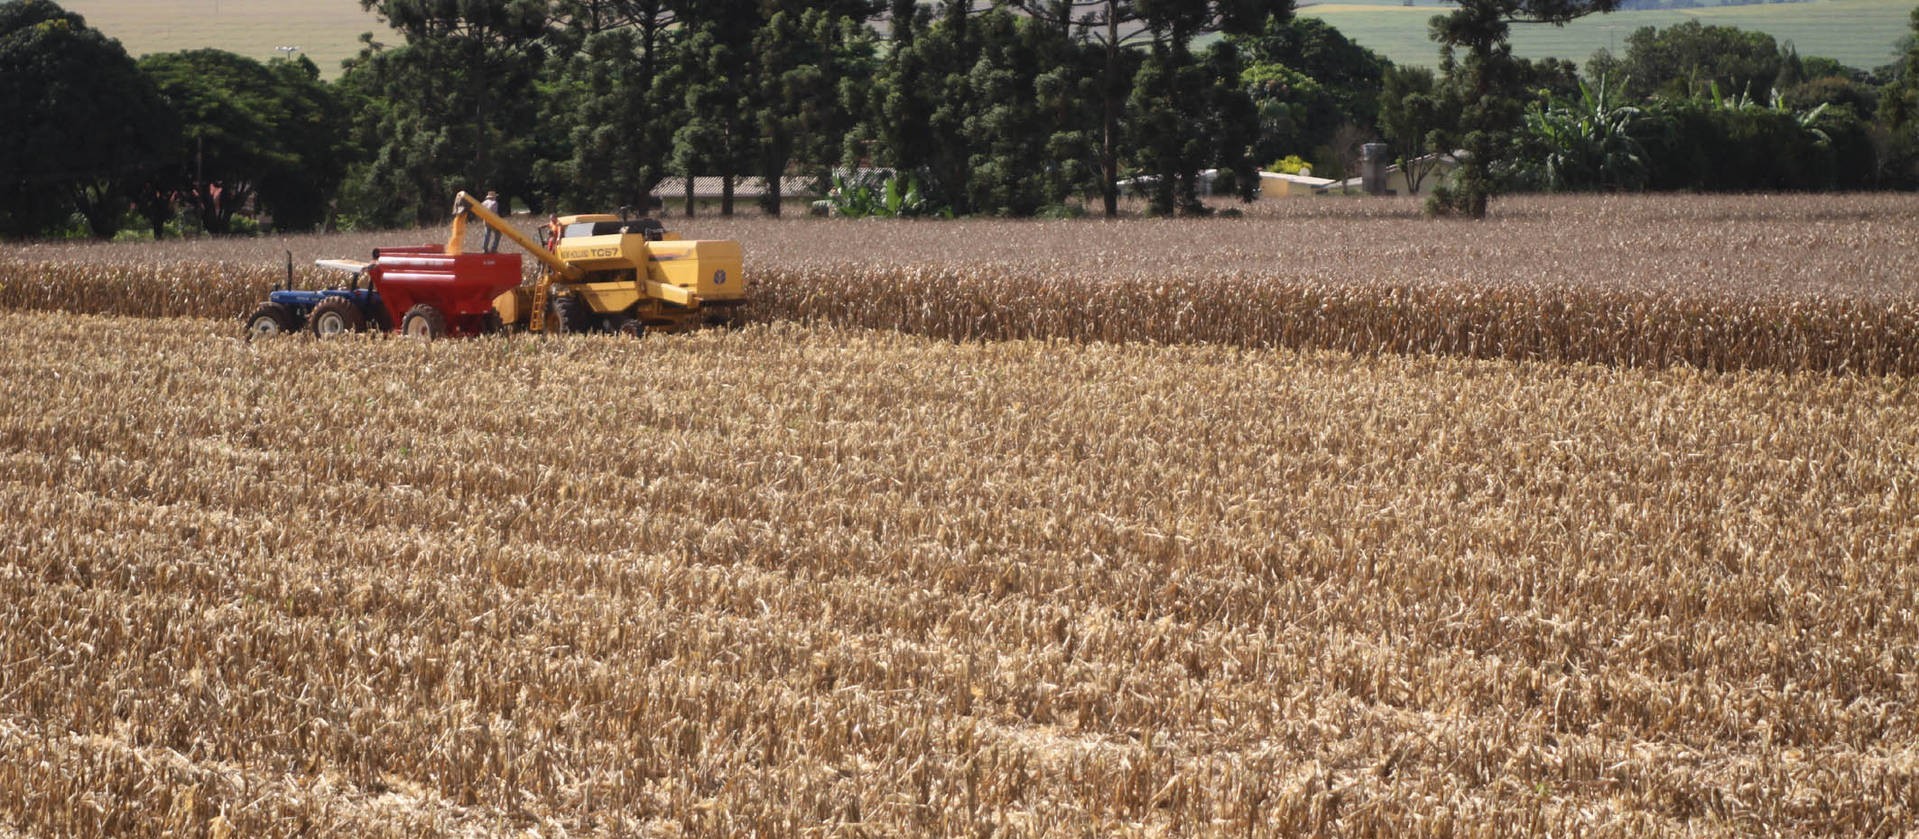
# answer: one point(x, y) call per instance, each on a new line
point(570, 314)
point(336, 316)
point(271, 319)
point(423, 322)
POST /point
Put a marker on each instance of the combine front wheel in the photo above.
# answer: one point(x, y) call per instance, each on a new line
point(423, 322)
point(336, 316)
point(271, 319)
point(570, 314)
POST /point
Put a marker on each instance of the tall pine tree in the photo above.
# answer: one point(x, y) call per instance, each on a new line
point(810, 58)
point(718, 131)
point(452, 108)
point(604, 104)
point(1490, 79)
point(1178, 96)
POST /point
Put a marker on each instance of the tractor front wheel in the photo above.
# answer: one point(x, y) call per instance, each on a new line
point(271, 319)
point(336, 316)
point(423, 322)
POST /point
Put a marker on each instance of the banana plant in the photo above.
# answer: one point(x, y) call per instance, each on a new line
point(882, 194)
point(1589, 144)
point(1808, 120)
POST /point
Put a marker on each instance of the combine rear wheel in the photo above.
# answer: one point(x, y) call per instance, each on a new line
point(570, 314)
point(631, 327)
point(336, 316)
point(271, 319)
point(423, 322)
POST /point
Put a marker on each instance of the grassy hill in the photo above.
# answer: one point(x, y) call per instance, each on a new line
point(327, 31)
point(1860, 33)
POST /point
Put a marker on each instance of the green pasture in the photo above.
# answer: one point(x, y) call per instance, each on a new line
point(1859, 33)
point(327, 31)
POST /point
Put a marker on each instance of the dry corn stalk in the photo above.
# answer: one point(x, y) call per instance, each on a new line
point(830, 580)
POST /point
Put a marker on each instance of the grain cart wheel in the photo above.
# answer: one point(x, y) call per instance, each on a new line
point(423, 322)
point(570, 314)
point(271, 319)
point(336, 316)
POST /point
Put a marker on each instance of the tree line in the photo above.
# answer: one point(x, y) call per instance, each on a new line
point(1011, 107)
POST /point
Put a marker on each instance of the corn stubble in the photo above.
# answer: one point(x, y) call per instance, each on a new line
point(1787, 283)
point(817, 580)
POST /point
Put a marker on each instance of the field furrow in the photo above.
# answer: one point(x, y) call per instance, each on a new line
point(797, 578)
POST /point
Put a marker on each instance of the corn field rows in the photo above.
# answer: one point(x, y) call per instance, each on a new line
point(1579, 325)
point(1827, 283)
point(811, 580)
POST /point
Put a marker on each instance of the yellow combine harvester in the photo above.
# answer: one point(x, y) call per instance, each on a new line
point(603, 272)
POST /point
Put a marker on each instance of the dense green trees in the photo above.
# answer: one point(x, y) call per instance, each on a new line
point(1588, 143)
point(452, 108)
point(1899, 111)
point(606, 110)
point(1714, 108)
point(1310, 84)
point(989, 110)
point(1492, 82)
point(1154, 90)
point(1420, 116)
point(251, 131)
point(1692, 59)
point(916, 110)
point(1188, 110)
point(1111, 29)
point(83, 129)
point(809, 59)
point(1027, 125)
point(1013, 107)
point(716, 131)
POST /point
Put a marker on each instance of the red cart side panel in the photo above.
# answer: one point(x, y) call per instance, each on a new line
point(461, 286)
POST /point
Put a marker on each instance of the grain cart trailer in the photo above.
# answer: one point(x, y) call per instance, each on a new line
point(421, 290)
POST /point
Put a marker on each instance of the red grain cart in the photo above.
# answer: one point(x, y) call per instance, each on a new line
point(429, 293)
point(422, 290)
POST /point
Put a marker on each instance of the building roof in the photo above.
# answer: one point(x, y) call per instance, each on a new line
point(705, 186)
point(1302, 180)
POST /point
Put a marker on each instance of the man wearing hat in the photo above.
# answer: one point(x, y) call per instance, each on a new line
point(491, 242)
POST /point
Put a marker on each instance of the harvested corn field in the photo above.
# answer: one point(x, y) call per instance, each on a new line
point(1596, 519)
point(807, 579)
point(1787, 283)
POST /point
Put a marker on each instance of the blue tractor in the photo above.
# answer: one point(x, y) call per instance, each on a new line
point(328, 312)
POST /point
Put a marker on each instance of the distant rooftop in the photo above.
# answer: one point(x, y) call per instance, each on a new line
point(710, 187)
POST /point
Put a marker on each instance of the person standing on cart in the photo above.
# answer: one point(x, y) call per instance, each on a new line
point(491, 242)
